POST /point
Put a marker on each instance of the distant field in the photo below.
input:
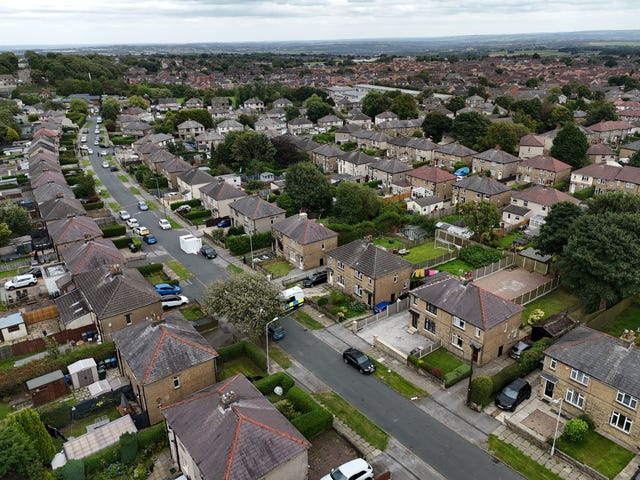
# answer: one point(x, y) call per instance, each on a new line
point(614, 44)
point(511, 53)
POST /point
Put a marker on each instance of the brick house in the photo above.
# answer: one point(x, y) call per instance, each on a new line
point(598, 375)
point(433, 180)
point(368, 273)
point(498, 162)
point(542, 170)
point(303, 242)
point(478, 188)
point(470, 322)
point(254, 214)
point(166, 360)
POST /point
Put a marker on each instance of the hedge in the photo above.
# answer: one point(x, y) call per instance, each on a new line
point(313, 423)
point(481, 389)
point(193, 214)
point(73, 470)
point(267, 384)
point(301, 400)
point(239, 244)
point(453, 377)
point(94, 206)
point(192, 203)
point(121, 242)
point(256, 355)
point(113, 230)
point(150, 269)
point(57, 415)
point(230, 352)
point(128, 448)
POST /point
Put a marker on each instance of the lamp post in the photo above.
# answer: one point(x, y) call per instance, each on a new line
point(557, 401)
point(266, 332)
point(164, 206)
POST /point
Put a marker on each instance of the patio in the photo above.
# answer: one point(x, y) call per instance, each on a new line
point(393, 331)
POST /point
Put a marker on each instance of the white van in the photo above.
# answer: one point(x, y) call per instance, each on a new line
point(291, 298)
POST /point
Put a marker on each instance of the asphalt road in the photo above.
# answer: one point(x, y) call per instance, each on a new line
point(447, 452)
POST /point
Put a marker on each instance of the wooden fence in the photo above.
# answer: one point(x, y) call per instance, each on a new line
point(485, 271)
point(434, 262)
point(37, 345)
point(537, 292)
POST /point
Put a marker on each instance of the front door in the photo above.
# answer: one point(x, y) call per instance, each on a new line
point(500, 350)
point(414, 319)
point(475, 354)
point(548, 389)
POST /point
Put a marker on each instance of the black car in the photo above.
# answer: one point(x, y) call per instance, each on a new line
point(315, 279)
point(35, 271)
point(519, 348)
point(513, 394)
point(208, 252)
point(359, 360)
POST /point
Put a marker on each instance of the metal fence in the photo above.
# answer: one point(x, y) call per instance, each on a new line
point(392, 309)
point(15, 265)
point(537, 292)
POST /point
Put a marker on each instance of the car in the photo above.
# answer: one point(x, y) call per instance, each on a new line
point(141, 230)
point(149, 239)
point(90, 151)
point(96, 142)
point(636, 475)
point(354, 357)
point(142, 205)
point(124, 215)
point(83, 139)
point(103, 153)
point(19, 281)
point(358, 469)
point(113, 168)
point(208, 252)
point(164, 224)
point(275, 331)
point(167, 289)
point(226, 222)
point(182, 209)
point(171, 301)
point(171, 195)
point(315, 279)
point(519, 348)
point(513, 395)
point(105, 164)
point(380, 307)
point(133, 247)
point(35, 271)
point(132, 222)
point(96, 131)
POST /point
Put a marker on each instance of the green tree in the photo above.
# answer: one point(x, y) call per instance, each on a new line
point(251, 149)
point(200, 115)
point(455, 103)
point(375, 103)
point(136, 101)
point(505, 101)
point(468, 127)
point(435, 124)
point(555, 232)
point(614, 202)
point(86, 186)
point(16, 217)
point(634, 160)
point(247, 300)
point(480, 217)
point(28, 422)
point(600, 111)
point(570, 146)
point(79, 106)
point(506, 135)
point(356, 203)
point(317, 108)
point(287, 152)
point(559, 116)
point(110, 109)
point(19, 457)
point(5, 234)
point(308, 188)
point(404, 105)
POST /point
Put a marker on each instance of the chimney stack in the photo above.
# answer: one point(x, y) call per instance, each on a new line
point(228, 398)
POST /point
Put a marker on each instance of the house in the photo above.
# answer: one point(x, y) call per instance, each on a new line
point(411, 149)
point(166, 360)
point(537, 200)
point(208, 140)
point(136, 129)
point(218, 195)
point(299, 126)
point(192, 181)
point(542, 170)
point(451, 155)
point(227, 126)
point(355, 163)
point(596, 175)
point(390, 172)
point(303, 242)
point(371, 139)
point(610, 131)
point(468, 321)
point(86, 256)
point(282, 103)
point(231, 431)
point(220, 107)
point(425, 205)
point(52, 190)
point(431, 181)
point(478, 188)
point(156, 158)
point(626, 151)
point(344, 133)
point(601, 153)
point(62, 206)
point(359, 119)
point(254, 214)
point(254, 104)
point(190, 129)
point(395, 128)
point(385, 117)
point(173, 168)
point(597, 375)
point(12, 327)
point(119, 297)
point(326, 157)
point(368, 273)
point(166, 104)
point(67, 231)
point(193, 103)
point(530, 146)
point(498, 163)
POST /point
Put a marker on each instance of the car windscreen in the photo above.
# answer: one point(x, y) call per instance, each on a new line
point(338, 475)
point(510, 393)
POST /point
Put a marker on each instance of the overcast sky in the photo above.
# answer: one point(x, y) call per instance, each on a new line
point(98, 22)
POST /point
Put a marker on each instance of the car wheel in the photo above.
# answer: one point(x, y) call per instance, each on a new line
point(345, 360)
point(32, 284)
point(362, 371)
point(13, 288)
point(165, 307)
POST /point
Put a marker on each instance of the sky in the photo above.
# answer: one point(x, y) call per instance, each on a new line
point(98, 22)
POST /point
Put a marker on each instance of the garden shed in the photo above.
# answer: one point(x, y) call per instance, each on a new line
point(47, 388)
point(532, 260)
point(83, 372)
point(190, 243)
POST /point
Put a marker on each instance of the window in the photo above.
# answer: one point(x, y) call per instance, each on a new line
point(395, 278)
point(627, 400)
point(429, 325)
point(415, 299)
point(457, 341)
point(621, 422)
point(431, 308)
point(478, 331)
point(323, 247)
point(176, 382)
point(340, 265)
point(458, 322)
point(553, 363)
point(357, 289)
point(370, 281)
point(579, 377)
point(574, 398)
point(340, 280)
point(127, 319)
point(357, 274)
point(14, 328)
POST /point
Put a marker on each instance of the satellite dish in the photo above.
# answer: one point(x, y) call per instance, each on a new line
point(278, 390)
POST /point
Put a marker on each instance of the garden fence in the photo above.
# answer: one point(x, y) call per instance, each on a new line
point(434, 262)
point(392, 309)
point(503, 263)
point(538, 292)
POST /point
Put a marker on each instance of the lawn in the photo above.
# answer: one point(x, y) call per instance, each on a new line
point(627, 320)
point(192, 312)
point(598, 452)
point(234, 269)
point(278, 269)
point(340, 304)
point(424, 251)
point(355, 420)
point(554, 302)
point(134, 190)
point(506, 242)
point(397, 382)
point(79, 427)
point(517, 460)
point(86, 163)
point(5, 410)
point(158, 277)
point(105, 194)
point(388, 242)
point(123, 178)
point(456, 266)
point(98, 183)
point(174, 224)
point(179, 269)
point(9, 273)
point(115, 206)
point(279, 356)
point(442, 360)
point(241, 364)
point(306, 320)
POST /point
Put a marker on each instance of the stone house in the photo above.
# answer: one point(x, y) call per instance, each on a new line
point(299, 126)
point(371, 139)
point(190, 129)
point(498, 162)
point(385, 117)
point(596, 175)
point(192, 181)
point(282, 103)
point(360, 119)
point(326, 157)
point(303, 242)
point(478, 188)
point(390, 172)
point(166, 104)
point(254, 214)
point(610, 131)
point(344, 133)
point(536, 200)
point(411, 149)
point(355, 163)
point(329, 121)
point(89, 255)
point(626, 151)
point(218, 195)
point(468, 321)
point(173, 168)
point(68, 231)
point(542, 170)
point(227, 126)
point(254, 104)
point(431, 181)
point(601, 153)
point(448, 156)
point(208, 140)
point(530, 146)
point(425, 205)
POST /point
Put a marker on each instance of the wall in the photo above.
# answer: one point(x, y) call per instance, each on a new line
point(118, 322)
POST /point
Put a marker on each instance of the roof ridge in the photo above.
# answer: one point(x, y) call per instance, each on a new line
point(153, 356)
point(234, 445)
point(269, 427)
point(190, 343)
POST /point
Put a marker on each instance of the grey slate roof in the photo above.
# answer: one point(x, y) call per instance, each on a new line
point(156, 350)
point(254, 207)
point(468, 302)
point(195, 176)
point(498, 156)
point(516, 209)
point(71, 306)
point(57, 208)
point(221, 191)
point(86, 256)
point(600, 356)
point(482, 184)
point(303, 230)
point(243, 442)
point(391, 165)
point(357, 158)
point(73, 229)
point(455, 149)
point(368, 259)
point(328, 151)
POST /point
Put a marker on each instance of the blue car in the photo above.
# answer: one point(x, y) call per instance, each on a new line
point(149, 239)
point(380, 307)
point(167, 289)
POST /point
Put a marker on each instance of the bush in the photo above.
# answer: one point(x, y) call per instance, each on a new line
point(234, 231)
point(590, 423)
point(255, 355)
point(153, 438)
point(239, 245)
point(192, 203)
point(505, 376)
point(453, 377)
point(57, 415)
point(113, 230)
point(121, 242)
point(150, 269)
point(94, 206)
point(313, 423)
point(478, 256)
point(575, 430)
point(231, 352)
point(128, 448)
point(73, 470)
point(481, 388)
point(322, 301)
point(301, 400)
point(193, 214)
point(267, 384)
point(100, 461)
point(286, 408)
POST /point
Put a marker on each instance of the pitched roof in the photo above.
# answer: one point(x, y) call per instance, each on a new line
point(544, 196)
point(600, 356)
point(155, 350)
point(470, 303)
point(600, 149)
point(255, 207)
point(73, 229)
point(56, 208)
point(221, 191)
point(481, 184)
point(531, 140)
point(328, 150)
point(599, 170)
point(375, 262)
point(497, 155)
point(357, 157)
point(303, 230)
point(195, 176)
point(190, 124)
point(455, 149)
point(431, 174)
point(245, 441)
point(629, 174)
point(545, 162)
point(609, 125)
point(71, 306)
point(86, 256)
point(390, 165)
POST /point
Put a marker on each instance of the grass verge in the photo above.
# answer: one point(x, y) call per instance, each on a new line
point(134, 190)
point(105, 194)
point(355, 420)
point(305, 319)
point(192, 313)
point(279, 356)
point(517, 460)
point(234, 268)
point(123, 178)
point(174, 224)
point(9, 273)
point(179, 269)
point(397, 382)
point(115, 206)
point(152, 205)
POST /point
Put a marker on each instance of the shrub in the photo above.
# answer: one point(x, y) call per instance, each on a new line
point(322, 301)
point(150, 269)
point(193, 214)
point(57, 415)
point(233, 231)
point(100, 461)
point(73, 470)
point(94, 205)
point(128, 448)
point(589, 421)
point(267, 384)
point(481, 388)
point(255, 354)
point(301, 400)
point(505, 377)
point(453, 377)
point(231, 352)
point(286, 408)
point(575, 430)
point(136, 242)
point(113, 230)
point(122, 242)
point(313, 423)
point(240, 244)
point(478, 256)
point(153, 438)
point(192, 203)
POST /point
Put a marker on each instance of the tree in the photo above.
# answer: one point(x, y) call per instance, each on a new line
point(600, 111)
point(404, 105)
point(16, 218)
point(110, 109)
point(435, 124)
point(559, 116)
point(247, 300)
point(570, 146)
point(19, 458)
point(374, 103)
point(506, 135)
point(480, 217)
point(86, 186)
point(136, 101)
point(28, 422)
point(200, 115)
point(308, 188)
point(554, 234)
point(505, 101)
point(614, 202)
point(455, 103)
point(468, 127)
point(287, 152)
point(79, 106)
point(634, 160)
point(251, 149)
point(5, 234)
point(356, 203)
point(317, 108)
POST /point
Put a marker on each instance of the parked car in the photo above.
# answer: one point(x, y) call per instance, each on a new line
point(513, 395)
point(132, 222)
point(380, 307)
point(315, 279)
point(141, 230)
point(149, 239)
point(171, 301)
point(276, 331)
point(133, 248)
point(113, 168)
point(35, 271)
point(182, 209)
point(357, 359)
point(20, 281)
point(519, 348)
point(124, 215)
point(357, 469)
point(168, 289)
point(164, 224)
point(105, 164)
point(142, 205)
point(208, 252)
point(226, 222)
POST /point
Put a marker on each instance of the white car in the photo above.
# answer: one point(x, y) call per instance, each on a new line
point(105, 164)
point(171, 301)
point(97, 131)
point(90, 151)
point(83, 139)
point(19, 281)
point(357, 468)
point(132, 223)
point(164, 224)
point(124, 215)
point(96, 142)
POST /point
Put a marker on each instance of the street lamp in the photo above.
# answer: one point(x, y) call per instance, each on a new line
point(164, 206)
point(557, 401)
point(266, 332)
